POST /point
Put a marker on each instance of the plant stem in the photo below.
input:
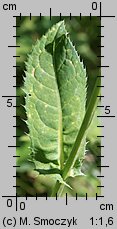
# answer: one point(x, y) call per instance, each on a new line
point(85, 124)
point(56, 189)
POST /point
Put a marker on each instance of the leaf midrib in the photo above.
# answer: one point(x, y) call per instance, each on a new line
point(60, 126)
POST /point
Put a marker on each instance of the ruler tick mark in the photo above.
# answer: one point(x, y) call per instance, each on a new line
point(50, 14)
point(16, 136)
point(98, 196)
point(90, 16)
point(16, 201)
point(100, 76)
point(16, 186)
point(100, 11)
point(16, 66)
point(60, 16)
point(70, 16)
point(16, 76)
point(100, 46)
point(103, 66)
point(100, 106)
point(100, 86)
point(16, 36)
point(16, 106)
point(100, 56)
point(26, 196)
point(13, 46)
point(16, 56)
point(66, 199)
point(16, 166)
point(16, 176)
point(30, 17)
point(100, 126)
point(106, 116)
point(13, 146)
point(15, 26)
point(100, 96)
point(100, 136)
point(11, 96)
point(100, 36)
point(107, 16)
point(100, 186)
point(103, 166)
point(100, 176)
point(86, 196)
point(18, 16)
point(17, 126)
point(80, 16)
point(101, 26)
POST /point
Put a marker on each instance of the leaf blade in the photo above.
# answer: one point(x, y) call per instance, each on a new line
point(56, 80)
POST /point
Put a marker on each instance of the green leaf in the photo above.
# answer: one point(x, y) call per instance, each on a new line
point(55, 87)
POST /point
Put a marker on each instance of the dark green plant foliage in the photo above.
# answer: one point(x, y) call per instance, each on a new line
point(84, 35)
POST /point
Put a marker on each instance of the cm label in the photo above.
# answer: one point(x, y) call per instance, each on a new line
point(107, 207)
point(9, 7)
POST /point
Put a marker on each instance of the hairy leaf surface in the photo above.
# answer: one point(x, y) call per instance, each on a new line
point(55, 87)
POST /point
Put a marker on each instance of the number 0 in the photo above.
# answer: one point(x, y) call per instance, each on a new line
point(9, 203)
point(94, 5)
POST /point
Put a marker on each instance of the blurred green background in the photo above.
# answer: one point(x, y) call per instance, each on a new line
point(84, 35)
